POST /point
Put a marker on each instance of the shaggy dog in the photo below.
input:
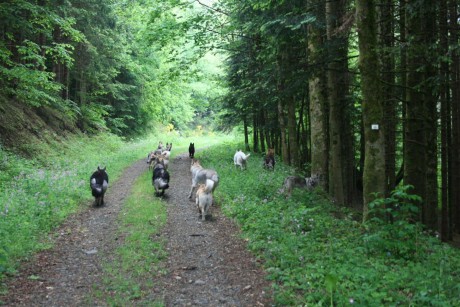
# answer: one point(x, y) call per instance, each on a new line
point(166, 154)
point(204, 197)
point(156, 159)
point(292, 182)
point(168, 147)
point(240, 159)
point(200, 175)
point(269, 161)
point(160, 179)
point(99, 181)
point(191, 150)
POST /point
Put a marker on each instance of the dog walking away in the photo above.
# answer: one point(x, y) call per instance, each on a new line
point(292, 182)
point(204, 198)
point(200, 175)
point(99, 181)
point(269, 161)
point(160, 179)
point(240, 159)
point(191, 150)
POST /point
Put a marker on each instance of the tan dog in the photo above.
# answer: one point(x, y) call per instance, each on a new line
point(156, 159)
point(204, 198)
point(200, 174)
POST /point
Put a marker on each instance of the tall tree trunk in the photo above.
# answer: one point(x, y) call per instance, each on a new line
point(372, 108)
point(455, 86)
point(255, 132)
point(318, 99)
point(386, 41)
point(334, 11)
point(415, 138)
point(292, 123)
point(445, 122)
point(430, 209)
point(284, 145)
point(262, 130)
point(246, 134)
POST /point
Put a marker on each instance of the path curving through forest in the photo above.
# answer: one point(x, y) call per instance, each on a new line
point(208, 263)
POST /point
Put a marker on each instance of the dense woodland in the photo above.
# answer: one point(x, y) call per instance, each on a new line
point(362, 94)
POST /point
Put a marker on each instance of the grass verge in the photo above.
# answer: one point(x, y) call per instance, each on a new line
point(130, 275)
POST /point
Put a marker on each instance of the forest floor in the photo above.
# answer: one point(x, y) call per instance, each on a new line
point(207, 265)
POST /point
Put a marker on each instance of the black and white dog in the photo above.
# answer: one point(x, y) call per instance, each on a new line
point(99, 181)
point(160, 179)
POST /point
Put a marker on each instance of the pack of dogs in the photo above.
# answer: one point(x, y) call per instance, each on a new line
point(204, 180)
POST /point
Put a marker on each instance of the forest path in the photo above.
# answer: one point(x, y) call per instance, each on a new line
point(208, 264)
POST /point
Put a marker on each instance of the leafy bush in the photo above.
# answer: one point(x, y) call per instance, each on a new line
point(391, 227)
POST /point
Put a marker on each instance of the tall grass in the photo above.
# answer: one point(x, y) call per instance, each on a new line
point(318, 254)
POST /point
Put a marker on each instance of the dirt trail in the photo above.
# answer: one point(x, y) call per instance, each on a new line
point(208, 263)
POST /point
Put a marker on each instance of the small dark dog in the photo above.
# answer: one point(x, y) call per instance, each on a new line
point(99, 181)
point(160, 179)
point(269, 161)
point(191, 150)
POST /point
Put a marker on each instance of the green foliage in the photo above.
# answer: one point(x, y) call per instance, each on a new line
point(318, 254)
point(392, 228)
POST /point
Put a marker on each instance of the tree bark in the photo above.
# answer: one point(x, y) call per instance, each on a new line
point(372, 108)
point(318, 99)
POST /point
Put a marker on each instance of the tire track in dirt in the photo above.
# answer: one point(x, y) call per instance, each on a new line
point(208, 263)
point(65, 274)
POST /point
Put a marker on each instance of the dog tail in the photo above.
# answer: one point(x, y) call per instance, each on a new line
point(215, 178)
point(209, 185)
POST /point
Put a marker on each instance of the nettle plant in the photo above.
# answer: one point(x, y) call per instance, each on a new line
point(392, 228)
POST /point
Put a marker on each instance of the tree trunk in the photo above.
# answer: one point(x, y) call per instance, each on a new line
point(284, 145)
point(292, 123)
point(386, 35)
point(372, 108)
point(318, 99)
point(445, 122)
point(455, 86)
point(415, 137)
point(337, 99)
point(430, 209)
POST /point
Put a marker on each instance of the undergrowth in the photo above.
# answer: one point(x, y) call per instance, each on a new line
point(318, 254)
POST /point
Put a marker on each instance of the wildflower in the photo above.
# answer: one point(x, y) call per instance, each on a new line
point(352, 301)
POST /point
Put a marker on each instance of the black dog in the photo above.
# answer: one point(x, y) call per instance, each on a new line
point(99, 181)
point(160, 179)
point(191, 150)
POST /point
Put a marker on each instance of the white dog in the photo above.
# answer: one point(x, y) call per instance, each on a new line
point(240, 159)
point(200, 175)
point(204, 198)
